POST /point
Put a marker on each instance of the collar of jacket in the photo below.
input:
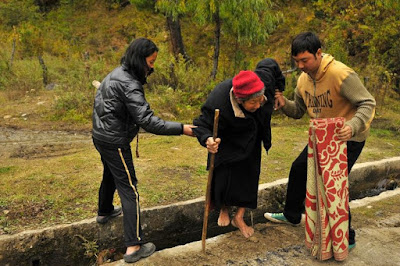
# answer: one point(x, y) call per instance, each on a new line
point(326, 61)
point(125, 68)
point(235, 105)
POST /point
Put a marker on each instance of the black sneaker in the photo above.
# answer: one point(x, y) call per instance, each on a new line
point(104, 219)
point(144, 251)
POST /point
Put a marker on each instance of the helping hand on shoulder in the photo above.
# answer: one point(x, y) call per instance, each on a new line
point(212, 145)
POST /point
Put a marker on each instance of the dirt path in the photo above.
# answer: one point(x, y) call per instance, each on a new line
point(280, 245)
point(10, 136)
point(27, 143)
point(377, 225)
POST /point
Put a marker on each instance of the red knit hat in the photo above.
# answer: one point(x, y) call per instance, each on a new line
point(246, 83)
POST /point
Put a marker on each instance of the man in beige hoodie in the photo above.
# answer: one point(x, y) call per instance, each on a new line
point(327, 88)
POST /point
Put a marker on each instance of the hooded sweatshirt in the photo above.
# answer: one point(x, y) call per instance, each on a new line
point(336, 92)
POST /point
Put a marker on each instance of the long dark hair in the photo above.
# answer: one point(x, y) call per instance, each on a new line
point(135, 55)
point(306, 41)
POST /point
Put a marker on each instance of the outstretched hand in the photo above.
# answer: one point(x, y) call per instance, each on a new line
point(212, 145)
point(187, 130)
point(279, 100)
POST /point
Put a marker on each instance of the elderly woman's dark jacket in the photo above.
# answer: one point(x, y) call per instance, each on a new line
point(237, 129)
point(120, 108)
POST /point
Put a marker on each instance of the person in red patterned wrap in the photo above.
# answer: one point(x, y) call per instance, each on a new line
point(327, 88)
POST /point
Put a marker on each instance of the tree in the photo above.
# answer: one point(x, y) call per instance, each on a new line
point(172, 10)
point(32, 43)
point(15, 12)
point(46, 5)
point(15, 37)
point(21, 15)
point(365, 32)
point(248, 21)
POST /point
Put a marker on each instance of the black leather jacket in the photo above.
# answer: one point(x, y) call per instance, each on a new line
point(120, 108)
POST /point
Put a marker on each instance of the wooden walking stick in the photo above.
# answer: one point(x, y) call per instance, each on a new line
point(208, 190)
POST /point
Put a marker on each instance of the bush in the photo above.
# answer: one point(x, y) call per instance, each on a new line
point(25, 75)
point(74, 106)
point(187, 83)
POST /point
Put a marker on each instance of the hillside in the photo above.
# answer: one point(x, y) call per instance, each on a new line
point(79, 41)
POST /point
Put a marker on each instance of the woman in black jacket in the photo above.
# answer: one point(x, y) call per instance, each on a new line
point(246, 104)
point(120, 109)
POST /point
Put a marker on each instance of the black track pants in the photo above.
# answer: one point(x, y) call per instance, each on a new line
point(119, 173)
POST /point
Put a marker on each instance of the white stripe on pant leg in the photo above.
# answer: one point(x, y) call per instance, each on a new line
point(134, 190)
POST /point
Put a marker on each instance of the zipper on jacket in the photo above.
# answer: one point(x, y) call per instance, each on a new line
point(315, 98)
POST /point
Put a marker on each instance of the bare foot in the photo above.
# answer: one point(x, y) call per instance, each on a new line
point(131, 249)
point(223, 219)
point(246, 230)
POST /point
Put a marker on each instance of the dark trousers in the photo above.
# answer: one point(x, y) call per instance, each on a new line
point(296, 190)
point(119, 173)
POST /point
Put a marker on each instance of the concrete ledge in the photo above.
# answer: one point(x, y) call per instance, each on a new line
point(166, 226)
point(366, 177)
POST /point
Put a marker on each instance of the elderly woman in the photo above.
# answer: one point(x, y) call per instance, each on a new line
point(246, 105)
point(120, 109)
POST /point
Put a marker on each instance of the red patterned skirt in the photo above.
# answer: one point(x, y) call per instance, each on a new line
point(327, 197)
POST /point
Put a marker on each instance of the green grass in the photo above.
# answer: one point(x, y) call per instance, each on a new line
point(40, 191)
point(368, 215)
point(7, 169)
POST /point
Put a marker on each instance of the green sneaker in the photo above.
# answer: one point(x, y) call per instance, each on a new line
point(351, 246)
point(278, 218)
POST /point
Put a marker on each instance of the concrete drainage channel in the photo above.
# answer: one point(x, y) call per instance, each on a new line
point(167, 226)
